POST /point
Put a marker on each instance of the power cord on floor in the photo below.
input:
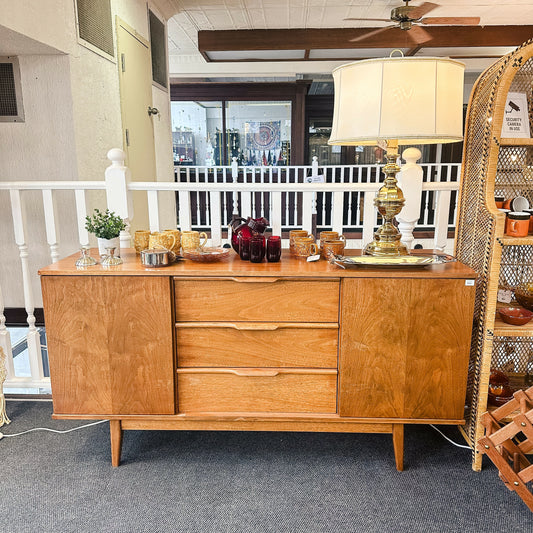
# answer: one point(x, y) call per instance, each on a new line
point(448, 439)
point(2, 435)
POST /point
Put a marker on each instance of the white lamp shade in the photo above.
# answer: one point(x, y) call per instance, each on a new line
point(409, 99)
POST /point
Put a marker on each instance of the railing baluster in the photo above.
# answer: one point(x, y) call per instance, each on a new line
point(153, 210)
point(5, 340)
point(307, 211)
point(81, 213)
point(50, 223)
point(216, 228)
point(338, 210)
point(32, 338)
point(441, 219)
point(369, 216)
point(185, 210)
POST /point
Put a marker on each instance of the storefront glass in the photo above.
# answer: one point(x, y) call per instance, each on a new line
point(195, 126)
point(259, 132)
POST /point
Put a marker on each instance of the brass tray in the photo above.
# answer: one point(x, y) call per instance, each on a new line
point(409, 261)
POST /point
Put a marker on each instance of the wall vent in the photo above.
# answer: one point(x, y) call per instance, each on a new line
point(10, 91)
point(158, 50)
point(95, 24)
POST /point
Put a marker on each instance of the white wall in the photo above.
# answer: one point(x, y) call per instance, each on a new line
point(72, 118)
point(41, 148)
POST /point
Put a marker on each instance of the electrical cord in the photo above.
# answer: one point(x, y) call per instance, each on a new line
point(450, 440)
point(2, 435)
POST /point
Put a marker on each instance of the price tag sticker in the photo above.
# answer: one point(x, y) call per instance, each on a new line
point(313, 258)
point(504, 296)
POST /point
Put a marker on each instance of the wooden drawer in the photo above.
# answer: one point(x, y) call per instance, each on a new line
point(256, 299)
point(256, 344)
point(257, 390)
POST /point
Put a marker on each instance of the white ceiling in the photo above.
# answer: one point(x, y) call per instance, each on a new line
point(195, 15)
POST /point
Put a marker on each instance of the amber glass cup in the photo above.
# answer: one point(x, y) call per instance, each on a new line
point(273, 249)
point(257, 249)
point(293, 234)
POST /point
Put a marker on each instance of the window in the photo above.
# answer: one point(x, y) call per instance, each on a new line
point(214, 132)
point(195, 130)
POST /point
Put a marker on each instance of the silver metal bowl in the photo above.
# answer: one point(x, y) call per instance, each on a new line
point(153, 258)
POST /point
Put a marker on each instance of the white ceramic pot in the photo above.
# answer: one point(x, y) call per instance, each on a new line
point(108, 243)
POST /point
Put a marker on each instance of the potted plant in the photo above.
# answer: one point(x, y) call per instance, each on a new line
point(106, 227)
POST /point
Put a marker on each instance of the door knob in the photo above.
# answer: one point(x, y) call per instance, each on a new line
point(153, 111)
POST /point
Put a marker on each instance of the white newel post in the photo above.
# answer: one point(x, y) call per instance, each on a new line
point(410, 181)
point(119, 200)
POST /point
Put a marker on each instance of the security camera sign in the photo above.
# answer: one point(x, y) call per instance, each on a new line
point(516, 116)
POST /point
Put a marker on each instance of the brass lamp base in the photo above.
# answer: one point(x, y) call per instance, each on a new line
point(389, 203)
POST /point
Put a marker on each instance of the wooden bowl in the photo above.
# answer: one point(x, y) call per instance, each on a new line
point(524, 295)
point(517, 316)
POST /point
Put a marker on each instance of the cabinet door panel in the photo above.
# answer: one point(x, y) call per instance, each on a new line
point(110, 344)
point(404, 347)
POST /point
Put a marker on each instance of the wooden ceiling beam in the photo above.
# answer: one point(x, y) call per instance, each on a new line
point(332, 38)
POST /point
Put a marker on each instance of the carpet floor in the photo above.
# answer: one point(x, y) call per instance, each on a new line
point(171, 481)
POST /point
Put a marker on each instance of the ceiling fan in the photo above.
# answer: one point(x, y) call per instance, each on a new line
point(410, 18)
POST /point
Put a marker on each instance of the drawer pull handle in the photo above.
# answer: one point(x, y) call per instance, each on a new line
point(256, 327)
point(252, 279)
point(255, 373)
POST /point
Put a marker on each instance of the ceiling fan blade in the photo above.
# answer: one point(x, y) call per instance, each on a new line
point(419, 35)
point(374, 20)
point(451, 21)
point(370, 34)
point(419, 11)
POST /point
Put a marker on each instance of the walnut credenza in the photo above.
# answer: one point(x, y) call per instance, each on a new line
point(288, 346)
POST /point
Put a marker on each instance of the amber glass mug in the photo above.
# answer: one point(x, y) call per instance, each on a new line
point(333, 247)
point(177, 236)
point(330, 236)
point(160, 239)
point(141, 240)
point(293, 234)
point(305, 246)
point(192, 240)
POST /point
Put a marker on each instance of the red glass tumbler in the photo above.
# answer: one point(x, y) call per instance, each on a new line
point(257, 249)
point(244, 247)
point(273, 249)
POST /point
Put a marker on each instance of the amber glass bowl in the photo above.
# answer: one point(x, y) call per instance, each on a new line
point(524, 295)
point(207, 254)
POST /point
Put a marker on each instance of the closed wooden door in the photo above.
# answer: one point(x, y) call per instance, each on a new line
point(404, 347)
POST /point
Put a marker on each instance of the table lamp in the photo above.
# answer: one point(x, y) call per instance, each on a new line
point(397, 101)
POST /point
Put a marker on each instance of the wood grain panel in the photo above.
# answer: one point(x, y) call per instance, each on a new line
point(404, 347)
point(440, 329)
point(279, 301)
point(206, 390)
point(204, 345)
point(372, 348)
point(110, 344)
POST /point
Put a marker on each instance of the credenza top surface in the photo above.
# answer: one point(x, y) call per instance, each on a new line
point(289, 266)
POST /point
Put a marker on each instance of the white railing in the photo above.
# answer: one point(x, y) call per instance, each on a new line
point(288, 196)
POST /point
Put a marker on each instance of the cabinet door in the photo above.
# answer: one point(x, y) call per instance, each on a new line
point(110, 344)
point(404, 347)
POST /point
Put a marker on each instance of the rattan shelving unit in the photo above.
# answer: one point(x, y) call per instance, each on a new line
point(493, 165)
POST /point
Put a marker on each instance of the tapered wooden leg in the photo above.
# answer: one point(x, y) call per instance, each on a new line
point(115, 430)
point(397, 442)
